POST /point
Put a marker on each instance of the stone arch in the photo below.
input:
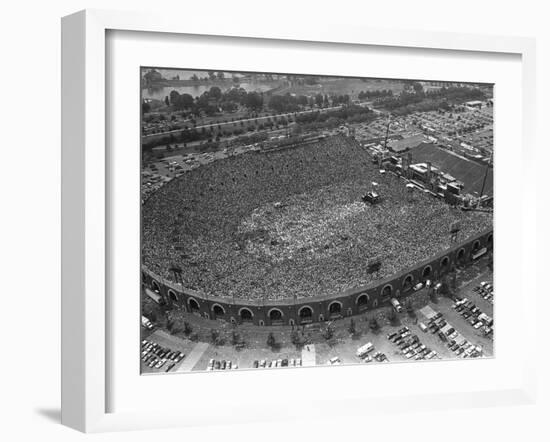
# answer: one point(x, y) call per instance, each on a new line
point(218, 310)
point(172, 295)
point(321, 317)
point(275, 314)
point(362, 301)
point(427, 272)
point(193, 305)
point(155, 286)
point(476, 246)
point(246, 314)
point(335, 308)
point(408, 283)
point(305, 313)
point(386, 291)
point(444, 263)
point(460, 255)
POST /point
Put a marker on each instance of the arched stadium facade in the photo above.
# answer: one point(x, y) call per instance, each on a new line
point(317, 309)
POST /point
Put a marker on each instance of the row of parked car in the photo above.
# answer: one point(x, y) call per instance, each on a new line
point(277, 363)
point(214, 364)
point(410, 345)
point(460, 346)
point(155, 356)
point(485, 290)
point(474, 316)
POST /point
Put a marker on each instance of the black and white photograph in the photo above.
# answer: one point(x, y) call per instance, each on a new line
point(301, 220)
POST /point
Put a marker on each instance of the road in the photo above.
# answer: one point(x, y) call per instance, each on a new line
point(245, 120)
point(193, 357)
point(308, 356)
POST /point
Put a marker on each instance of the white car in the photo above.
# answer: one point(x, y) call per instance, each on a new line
point(478, 325)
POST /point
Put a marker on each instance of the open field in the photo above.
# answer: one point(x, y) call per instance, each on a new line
point(342, 86)
point(467, 171)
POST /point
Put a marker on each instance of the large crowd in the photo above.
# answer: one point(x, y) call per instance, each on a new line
point(291, 224)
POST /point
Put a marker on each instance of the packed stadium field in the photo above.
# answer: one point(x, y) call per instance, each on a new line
point(291, 223)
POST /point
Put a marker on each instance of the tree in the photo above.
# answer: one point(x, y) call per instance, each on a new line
point(329, 333)
point(271, 342)
point(319, 100)
point(373, 325)
point(169, 325)
point(297, 338)
point(410, 309)
point(352, 329)
point(253, 101)
point(216, 337)
point(215, 93)
point(235, 338)
point(187, 329)
point(392, 317)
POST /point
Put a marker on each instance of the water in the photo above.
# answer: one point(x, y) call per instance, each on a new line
point(195, 91)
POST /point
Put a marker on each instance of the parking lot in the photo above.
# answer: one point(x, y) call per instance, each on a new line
point(342, 349)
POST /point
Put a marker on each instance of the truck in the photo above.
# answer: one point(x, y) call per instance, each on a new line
point(396, 305)
point(146, 323)
point(364, 350)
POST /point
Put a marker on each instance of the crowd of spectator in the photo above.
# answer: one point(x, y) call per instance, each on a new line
point(291, 223)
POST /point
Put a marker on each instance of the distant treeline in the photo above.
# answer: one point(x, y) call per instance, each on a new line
point(369, 95)
point(416, 100)
point(334, 118)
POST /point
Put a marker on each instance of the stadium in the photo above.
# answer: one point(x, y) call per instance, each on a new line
point(284, 236)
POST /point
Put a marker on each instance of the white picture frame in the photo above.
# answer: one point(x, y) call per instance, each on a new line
point(85, 213)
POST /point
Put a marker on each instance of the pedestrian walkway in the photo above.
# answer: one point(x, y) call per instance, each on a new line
point(428, 312)
point(193, 357)
point(308, 355)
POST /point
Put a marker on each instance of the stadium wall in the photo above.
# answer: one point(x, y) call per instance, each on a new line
point(317, 309)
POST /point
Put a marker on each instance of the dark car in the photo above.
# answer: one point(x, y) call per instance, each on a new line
point(256, 364)
point(285, 363)
point(442, 336)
